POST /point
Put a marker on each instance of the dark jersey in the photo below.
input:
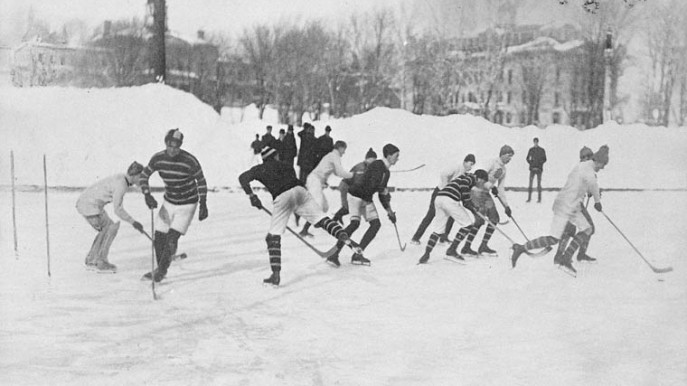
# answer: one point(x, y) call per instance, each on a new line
point(374, 181)
point(182, 175)
point(458, 189)
point(277, 177)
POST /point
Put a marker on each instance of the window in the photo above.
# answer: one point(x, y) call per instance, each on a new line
point(556, 118)
point(558, 74)
point(524, 97)
point(556, 99)
point(509, 98)
point(510, 78)
point(509, 118)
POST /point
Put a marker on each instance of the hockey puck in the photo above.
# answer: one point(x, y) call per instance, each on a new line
point(660, 280)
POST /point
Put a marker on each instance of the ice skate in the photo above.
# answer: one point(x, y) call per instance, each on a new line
point(586, 259)
point(415, 241)
point(484, 250)
point(452, 255)
point(157, 275)
point(273, 279)
point(517, 251)
point(566, 266)
point(105, 267)
point(333, 260)
point(424, 259)
point(359, 259)
point(468, 252)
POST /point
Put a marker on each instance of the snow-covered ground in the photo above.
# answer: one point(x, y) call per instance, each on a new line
point(391, 323)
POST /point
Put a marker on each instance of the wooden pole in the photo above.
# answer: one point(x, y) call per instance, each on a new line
point(47, 228)
point(14, 206)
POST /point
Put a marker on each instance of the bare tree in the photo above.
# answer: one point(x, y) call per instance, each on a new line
point(123, 44)
point(259, 46)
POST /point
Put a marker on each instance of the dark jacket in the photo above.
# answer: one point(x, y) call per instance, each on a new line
point(256, 146)
point(277, 177)
point(290, 148)
point(306, 155)
point(324, 146)
point(536, 157)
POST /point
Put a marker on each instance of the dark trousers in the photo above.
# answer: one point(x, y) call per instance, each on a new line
point(534, 172)
point(431, 212)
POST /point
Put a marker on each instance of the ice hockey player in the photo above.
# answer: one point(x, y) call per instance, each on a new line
point(567, 209)
point(289, 196)
point(453, 201)
point(586, 154)
point(360, 202)
point(317, 179)
point(185, 190)
point(91, 204)
point(483, 200)
point(447, 175)
point(358, 170)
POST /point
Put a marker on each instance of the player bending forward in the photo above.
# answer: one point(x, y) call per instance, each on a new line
point(567, 210)
point(289, 197)
point(453, 201)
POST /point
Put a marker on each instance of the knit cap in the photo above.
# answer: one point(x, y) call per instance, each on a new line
point(370, 154)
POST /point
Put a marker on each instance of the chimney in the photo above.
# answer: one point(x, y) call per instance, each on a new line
point(107, 28)
point(201, 34)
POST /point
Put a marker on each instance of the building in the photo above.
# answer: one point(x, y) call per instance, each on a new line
point(523, 75)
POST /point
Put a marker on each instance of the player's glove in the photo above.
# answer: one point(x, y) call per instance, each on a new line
point(508, 211)
point(495, 191)
point(203, 212)
point(598, 207)
point(255, 201)
point(137, 225)
point(392, 217)
point(150, 201)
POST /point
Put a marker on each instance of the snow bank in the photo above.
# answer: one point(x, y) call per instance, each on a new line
point(90, 133)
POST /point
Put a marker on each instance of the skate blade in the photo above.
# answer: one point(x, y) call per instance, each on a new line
point(567, 271)
point(487, 255)
point(90, 267)
point(359, 263)
point(272, 285)
point(455, 260)
point(180, 256)
point(333, 264)
point(106, 272)
point(587, 262)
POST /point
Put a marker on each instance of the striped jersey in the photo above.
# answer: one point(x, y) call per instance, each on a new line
point(182, 175)
point(458, 189)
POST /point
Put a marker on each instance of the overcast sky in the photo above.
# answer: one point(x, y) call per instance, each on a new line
point(187, 16)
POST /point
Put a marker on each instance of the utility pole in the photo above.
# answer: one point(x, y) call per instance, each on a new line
point(158, 9)
point(608, 55)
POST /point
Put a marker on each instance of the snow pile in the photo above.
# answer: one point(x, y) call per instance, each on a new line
point(90, 133)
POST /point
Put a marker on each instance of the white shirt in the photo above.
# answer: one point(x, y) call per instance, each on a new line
point(330, 164)
point(449, 174)
point(111, 189)
point(581, 181)
point(497, 177)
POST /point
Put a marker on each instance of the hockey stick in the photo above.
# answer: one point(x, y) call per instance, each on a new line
point(520, 229)
point(408, 170)
point(403, 247)
point(656, 270)
point(323, 254)
point(152, 253)
point(528, 253)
